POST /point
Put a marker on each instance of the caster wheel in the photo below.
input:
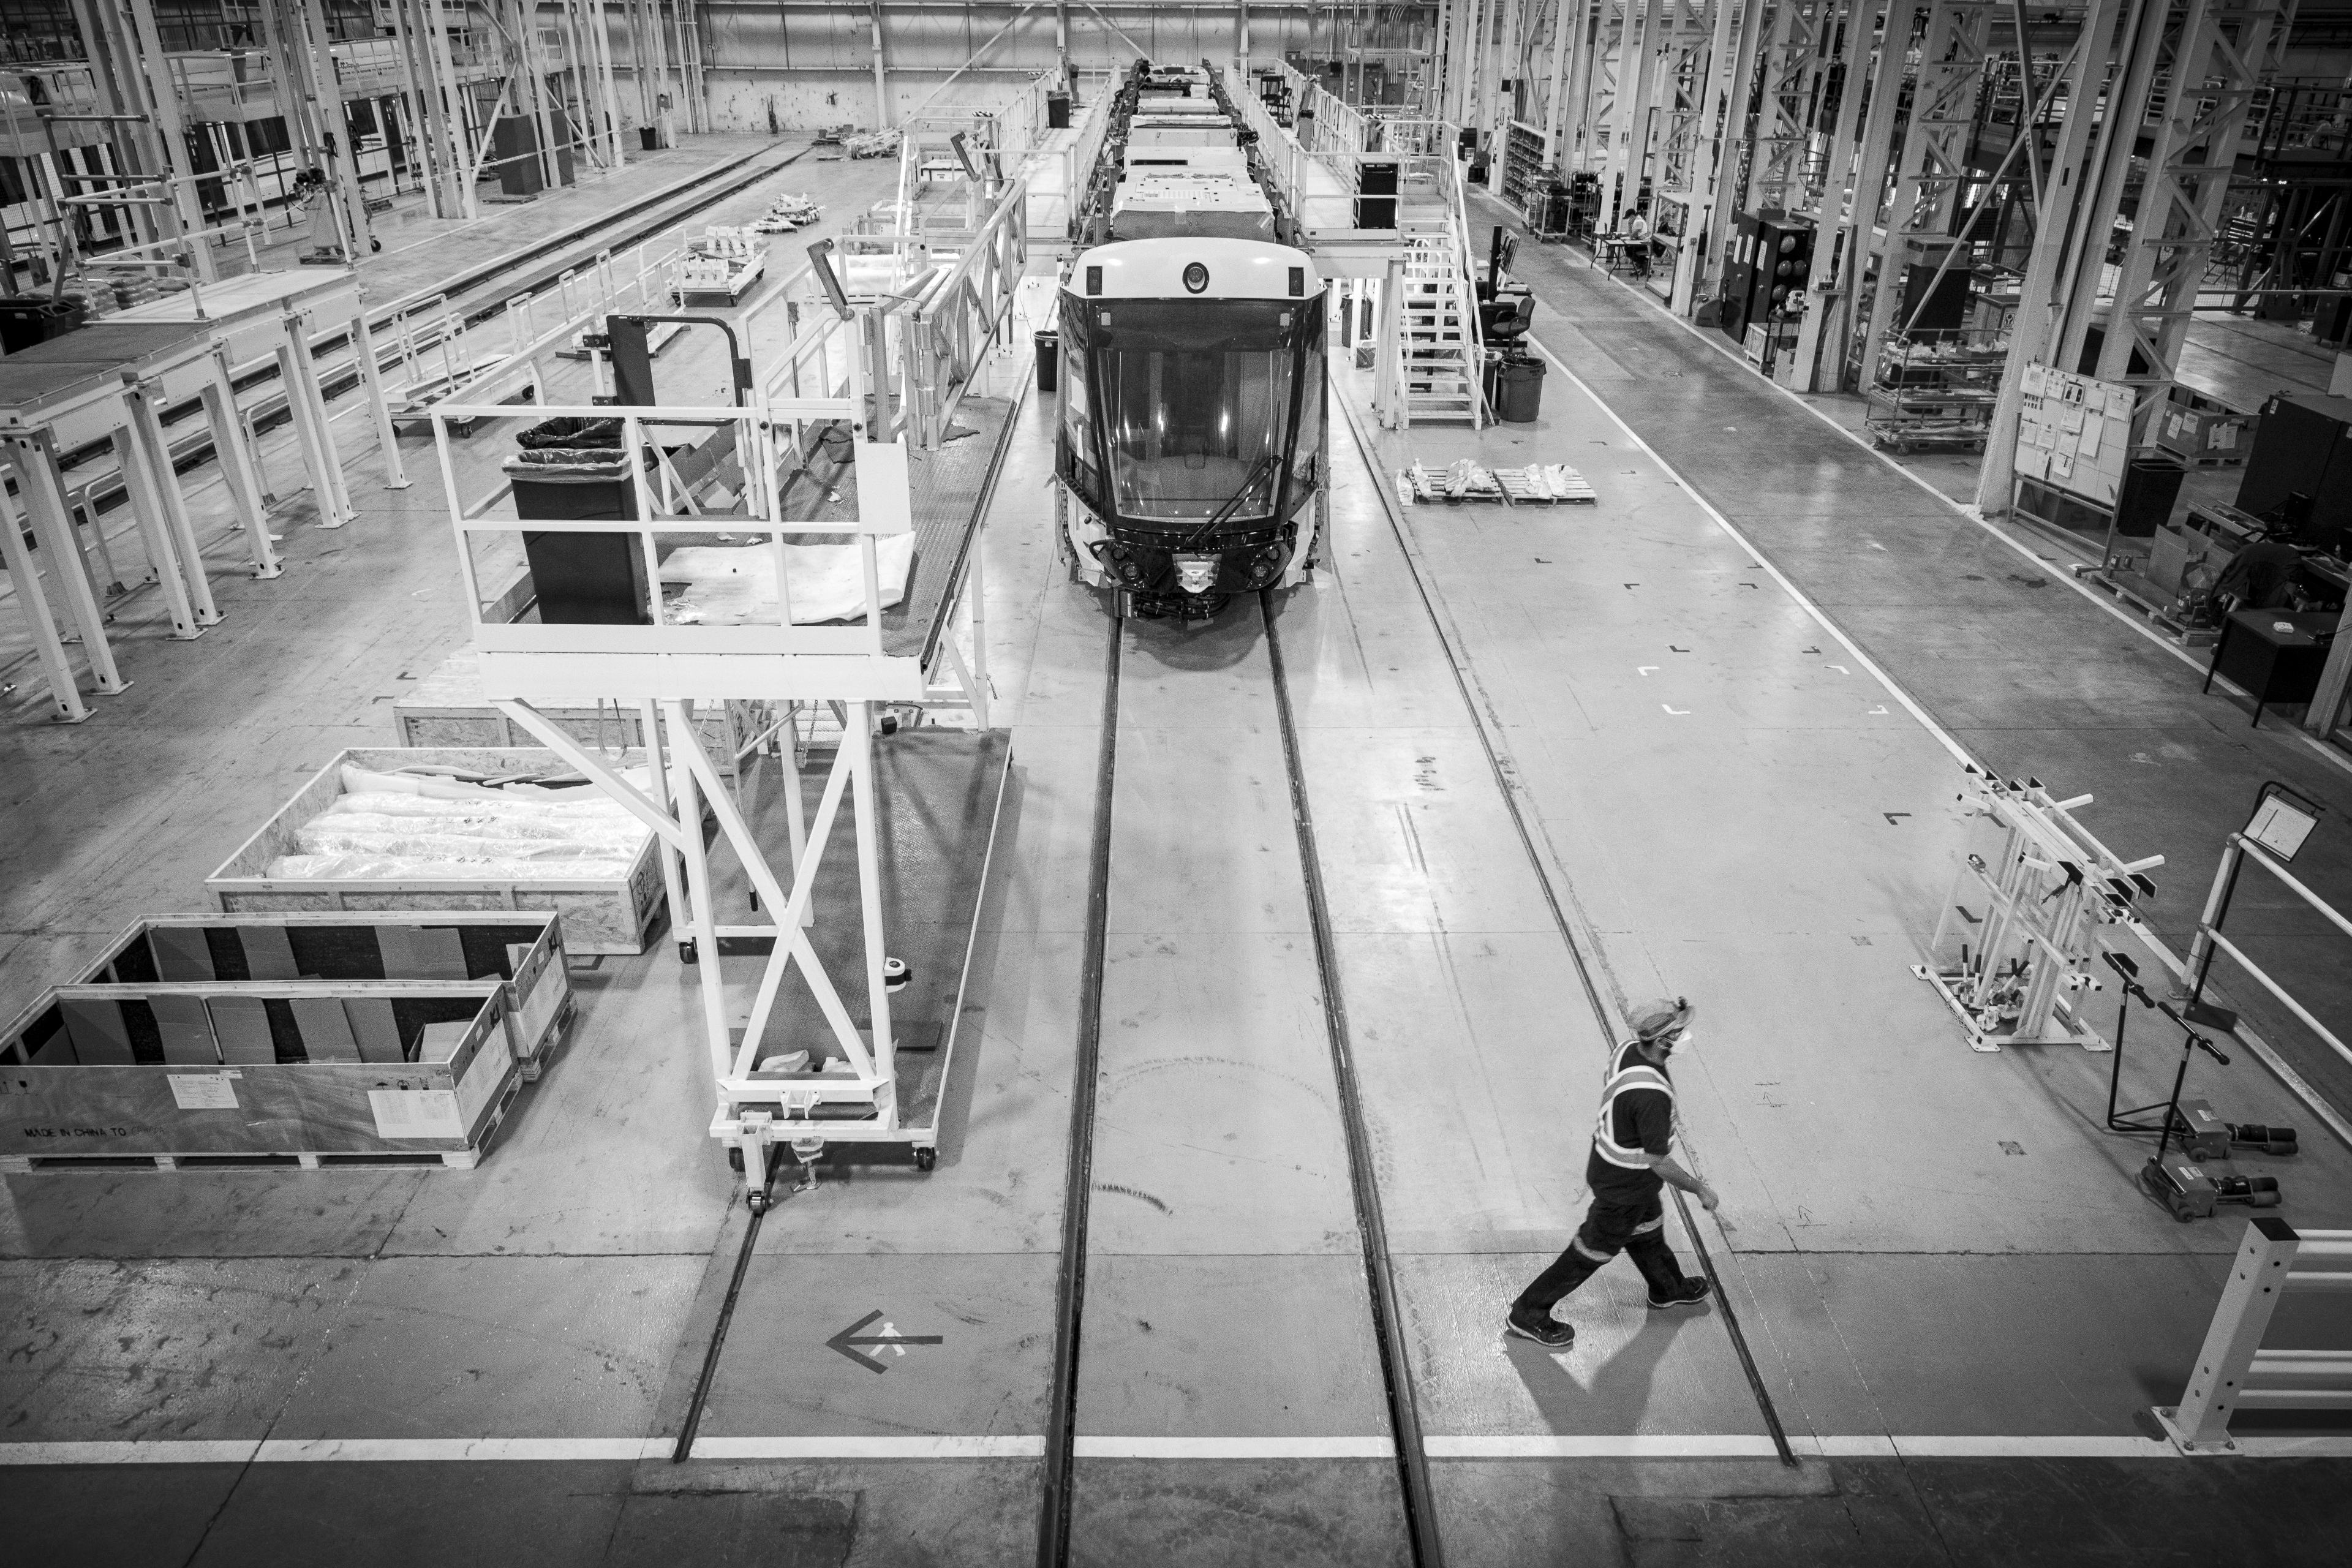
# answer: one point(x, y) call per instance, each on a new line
point(756, 1202)
point(375, 244)
point(734, 1157)
point(685, 952)
point(926, 1157)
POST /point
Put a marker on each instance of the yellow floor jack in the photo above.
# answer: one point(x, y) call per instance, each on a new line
point(2192, 1179)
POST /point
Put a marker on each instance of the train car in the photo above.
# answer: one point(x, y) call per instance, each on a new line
point(1193, 448)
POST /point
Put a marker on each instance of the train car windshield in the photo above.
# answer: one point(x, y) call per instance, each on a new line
point(1196, 403)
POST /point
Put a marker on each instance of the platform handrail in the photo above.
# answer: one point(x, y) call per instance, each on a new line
point(2208, 939)
point(2233, 1371)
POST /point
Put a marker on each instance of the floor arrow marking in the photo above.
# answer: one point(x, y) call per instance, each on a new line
point(849, 1338)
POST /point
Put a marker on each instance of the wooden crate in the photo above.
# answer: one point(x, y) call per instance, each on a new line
point(600, 916)
point(2206, 433)
point(316, 1074)
point(524, 950)
point(447, 708)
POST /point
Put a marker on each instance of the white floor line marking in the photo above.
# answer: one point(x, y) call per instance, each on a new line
point(372, 1450)
point(2296, 1084)
point(2106, 605)
point(1235, 1448)
point(937, 1447)
point(1646, 1445)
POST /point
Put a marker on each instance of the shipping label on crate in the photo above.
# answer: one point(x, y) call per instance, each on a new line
point(204, 1091)
point(416, 1113)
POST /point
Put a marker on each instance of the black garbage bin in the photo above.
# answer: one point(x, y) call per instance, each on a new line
point(1517, 390)
point(1057, 111)
point(574, 469)
point(1049, 359)
point(30, 319)
point(1376, 195)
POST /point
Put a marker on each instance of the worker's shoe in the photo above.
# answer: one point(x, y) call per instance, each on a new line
point(1545, 1329)
point(1689, 1293)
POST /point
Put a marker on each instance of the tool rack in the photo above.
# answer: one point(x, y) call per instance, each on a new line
point(2015, 943)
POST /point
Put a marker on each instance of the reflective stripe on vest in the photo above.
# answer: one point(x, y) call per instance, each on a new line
point(1639, 1075)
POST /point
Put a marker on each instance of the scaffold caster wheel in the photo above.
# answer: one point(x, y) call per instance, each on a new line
point(926, 1156)
point(756, 1201)
point(686, 950)
point(734, 1157)
point(375, 245)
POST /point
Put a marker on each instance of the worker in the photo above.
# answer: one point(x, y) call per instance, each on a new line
point(1631, 1161)
point(2259, 576)
point(1637, 243)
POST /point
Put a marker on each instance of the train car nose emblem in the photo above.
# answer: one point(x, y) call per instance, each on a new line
point(1196, 574)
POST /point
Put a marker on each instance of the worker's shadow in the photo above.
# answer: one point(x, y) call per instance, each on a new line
point(1604, 1384)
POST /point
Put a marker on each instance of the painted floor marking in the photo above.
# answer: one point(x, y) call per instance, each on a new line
point(1686, 1446)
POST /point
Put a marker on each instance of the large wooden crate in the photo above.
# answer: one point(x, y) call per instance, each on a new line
point(366, 1072)
point(447, 708)
point(599, 916)
point(524, 950)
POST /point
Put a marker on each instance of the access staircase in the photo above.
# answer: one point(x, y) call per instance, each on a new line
point(1438, 318)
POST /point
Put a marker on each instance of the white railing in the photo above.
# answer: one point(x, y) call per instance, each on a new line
point(2241, 850)
point(2233, 1371)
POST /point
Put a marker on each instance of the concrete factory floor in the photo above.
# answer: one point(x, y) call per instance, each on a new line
point(1651, 725)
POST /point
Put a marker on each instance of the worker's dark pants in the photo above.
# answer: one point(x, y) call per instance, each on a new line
point(1636, 1228)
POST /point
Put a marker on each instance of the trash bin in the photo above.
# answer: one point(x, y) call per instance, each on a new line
point(1049, 359)
point(1376, 195)
point(1057, 111)
point(33, 319)
point(574, 469)
point(1517, 390)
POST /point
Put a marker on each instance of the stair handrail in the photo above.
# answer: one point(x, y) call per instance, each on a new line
point(1456, 189)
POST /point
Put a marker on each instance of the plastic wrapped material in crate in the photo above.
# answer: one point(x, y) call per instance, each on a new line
point(364, 835)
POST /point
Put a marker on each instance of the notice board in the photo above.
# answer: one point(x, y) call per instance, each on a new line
point(2073, 433)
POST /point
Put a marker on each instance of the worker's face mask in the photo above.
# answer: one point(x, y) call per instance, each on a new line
point(1676, 1041)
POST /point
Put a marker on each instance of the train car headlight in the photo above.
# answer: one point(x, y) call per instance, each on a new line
point(1196, 278)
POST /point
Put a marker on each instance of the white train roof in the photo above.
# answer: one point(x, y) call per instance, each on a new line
point(1154, 269)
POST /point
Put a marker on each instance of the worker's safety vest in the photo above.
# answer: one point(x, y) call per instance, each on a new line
point(1638, 1074)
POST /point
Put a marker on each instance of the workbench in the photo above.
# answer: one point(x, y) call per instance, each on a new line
point(2273, 665)
point(109, 375)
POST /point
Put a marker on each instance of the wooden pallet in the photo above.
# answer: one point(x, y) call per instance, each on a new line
point(1537, 484)
point(374, 1160)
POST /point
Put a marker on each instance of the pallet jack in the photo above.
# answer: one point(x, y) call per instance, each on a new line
point(2192, 1180)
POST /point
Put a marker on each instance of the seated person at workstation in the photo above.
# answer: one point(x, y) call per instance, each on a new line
point(2260, 576)
point(1637, 242)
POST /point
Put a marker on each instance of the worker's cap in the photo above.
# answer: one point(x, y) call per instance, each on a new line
point(1667, 1015)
